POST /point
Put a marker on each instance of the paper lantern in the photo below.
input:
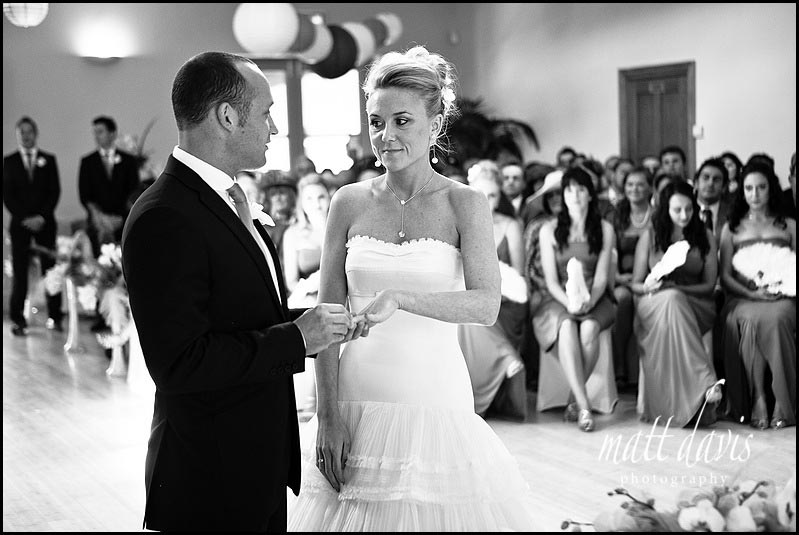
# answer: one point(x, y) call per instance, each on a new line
point(305, 34)
point(393, 26)
point(321, 47)
point(378, 29)
point(266, 28)
point(342, 56)
point(364, 41)
point(26, 15)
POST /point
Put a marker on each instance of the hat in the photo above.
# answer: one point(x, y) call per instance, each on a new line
point(551, 182)
point(276, 178)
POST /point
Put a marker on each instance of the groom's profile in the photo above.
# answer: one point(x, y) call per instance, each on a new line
point(207, 295)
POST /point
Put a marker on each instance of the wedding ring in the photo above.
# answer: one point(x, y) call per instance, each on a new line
point(320, 461)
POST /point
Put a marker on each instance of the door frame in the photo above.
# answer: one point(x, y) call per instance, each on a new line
point(630, 76)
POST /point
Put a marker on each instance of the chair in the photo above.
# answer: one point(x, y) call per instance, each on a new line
point(553, 388)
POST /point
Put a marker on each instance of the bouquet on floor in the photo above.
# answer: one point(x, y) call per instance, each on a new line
point(767, 266)
point(673, 258)
point(113, 296)
point(73, 258)
point(746, 506)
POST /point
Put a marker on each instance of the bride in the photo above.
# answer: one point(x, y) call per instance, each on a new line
point(398, 445)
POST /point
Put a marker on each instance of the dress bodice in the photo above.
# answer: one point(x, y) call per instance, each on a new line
point(779, 241)
point(409, 358)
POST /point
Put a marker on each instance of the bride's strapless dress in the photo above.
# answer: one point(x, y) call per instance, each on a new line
point(421, 459)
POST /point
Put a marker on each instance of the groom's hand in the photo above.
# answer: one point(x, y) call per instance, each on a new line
point(323, 325)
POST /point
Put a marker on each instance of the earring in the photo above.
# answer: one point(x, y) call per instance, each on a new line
point(377, 163)
point(434, 159)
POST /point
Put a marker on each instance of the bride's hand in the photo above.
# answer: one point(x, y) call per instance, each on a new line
point(332, 449)
point(381, 308)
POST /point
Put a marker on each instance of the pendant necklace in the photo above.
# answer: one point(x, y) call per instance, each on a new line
point(401, 233)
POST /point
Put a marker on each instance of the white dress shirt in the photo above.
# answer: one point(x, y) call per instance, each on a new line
point(220, 182)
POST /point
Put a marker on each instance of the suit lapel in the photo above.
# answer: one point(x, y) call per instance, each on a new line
point(219, 208)
point(276, 261)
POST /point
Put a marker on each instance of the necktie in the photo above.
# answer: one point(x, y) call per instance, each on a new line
point(109, 164)
point(243, 209)
point(31, 165)
point(707, 215)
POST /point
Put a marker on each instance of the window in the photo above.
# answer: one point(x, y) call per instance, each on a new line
point(330, 111)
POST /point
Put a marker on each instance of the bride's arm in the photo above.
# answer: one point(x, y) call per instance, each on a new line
point(332, 441)
point(479, 303)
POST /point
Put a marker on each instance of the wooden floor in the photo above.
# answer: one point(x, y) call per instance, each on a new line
point(74, 442)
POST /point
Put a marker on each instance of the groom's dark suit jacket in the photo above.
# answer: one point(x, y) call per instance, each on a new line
point(221, 350)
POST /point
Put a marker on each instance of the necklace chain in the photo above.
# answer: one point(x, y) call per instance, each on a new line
point(401, 233)
point(643, 219)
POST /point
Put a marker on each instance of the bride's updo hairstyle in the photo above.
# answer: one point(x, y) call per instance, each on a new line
point(428, 74)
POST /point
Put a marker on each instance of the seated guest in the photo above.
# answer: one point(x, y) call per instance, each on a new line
point(492, 352)
point(513, 185)
point(280, 198)
point(615, 191)
point(631, 218)
point(565, 158)
point(759, 326)
point(710, 183)
point(549, 197)
point(672, 313)
point(535, 174)
point(576, 306)
point(734, 167)
point(673, 161)
point(302, 254)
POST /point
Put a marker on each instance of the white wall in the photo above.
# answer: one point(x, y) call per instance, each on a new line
point(44, 76)
point(556, 67)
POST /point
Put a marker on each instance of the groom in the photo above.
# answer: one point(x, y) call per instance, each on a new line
point(207, 296)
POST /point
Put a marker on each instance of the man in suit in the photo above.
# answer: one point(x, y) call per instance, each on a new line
point(106, 180)
point(31, 189)
point(673, 161)
point(710, 183)
point(208, 299)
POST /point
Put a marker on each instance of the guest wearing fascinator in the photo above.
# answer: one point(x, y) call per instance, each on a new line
point(759, 322)
point(674, 308)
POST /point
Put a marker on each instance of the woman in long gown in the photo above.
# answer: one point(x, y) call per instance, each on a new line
point(673, 313)
point(398, 445)
point(631, 218)
point(492, 351)
point(302, 254)
point(759, 326)
point(572, 326)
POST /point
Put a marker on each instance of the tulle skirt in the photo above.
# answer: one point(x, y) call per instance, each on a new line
point(413, 468)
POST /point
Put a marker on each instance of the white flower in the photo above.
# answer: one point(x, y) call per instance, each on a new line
point(448, 95)
point(87, 297)
point(513, 286)
point(257, 211)
point(673, 258)
point(576, 288)
point(117, 159)
point(40, 161)
point(768, 266)
point(702, 517)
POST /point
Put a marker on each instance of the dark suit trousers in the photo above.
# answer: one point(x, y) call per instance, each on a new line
point(20, 259)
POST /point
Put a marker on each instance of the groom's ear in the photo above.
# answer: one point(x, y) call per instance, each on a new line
point(227, 116)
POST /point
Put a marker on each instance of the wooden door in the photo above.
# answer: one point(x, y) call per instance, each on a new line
point(657, 108)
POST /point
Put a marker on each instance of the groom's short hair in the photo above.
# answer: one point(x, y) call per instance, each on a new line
point(205, 81)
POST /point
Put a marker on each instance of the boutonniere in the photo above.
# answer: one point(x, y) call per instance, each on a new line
point(40, 161)
point(117, 159)
point(257, 211)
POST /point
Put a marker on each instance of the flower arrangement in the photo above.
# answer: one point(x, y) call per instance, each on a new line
point(768, 267)
point(135, 146)
point(513, 286)
point(746, 506)
point(95, 280)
